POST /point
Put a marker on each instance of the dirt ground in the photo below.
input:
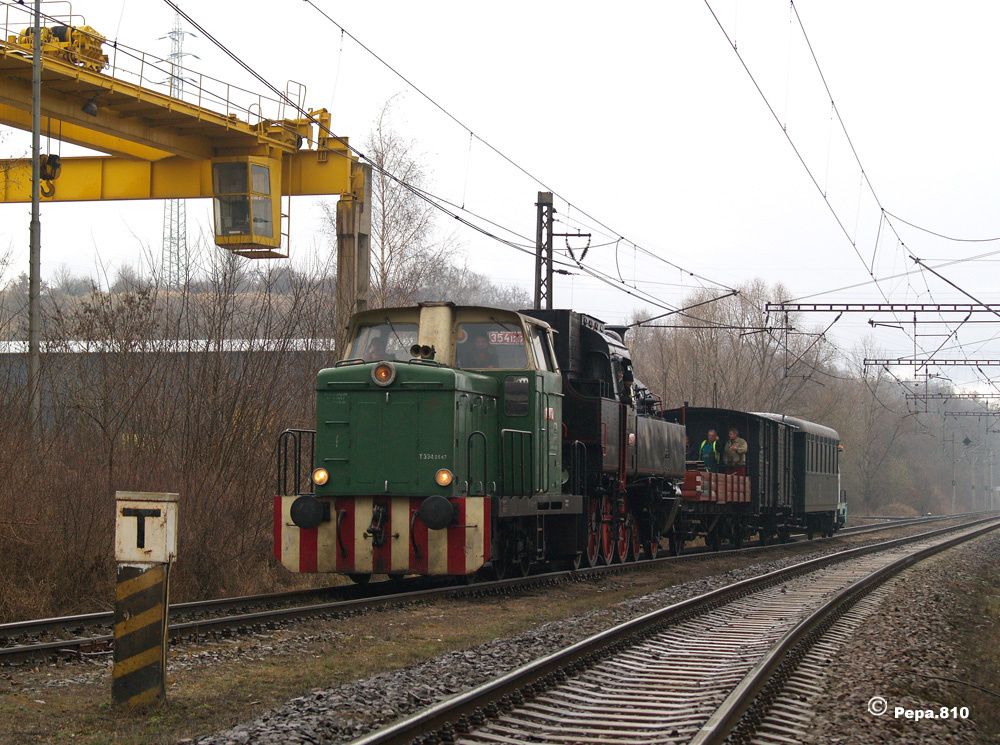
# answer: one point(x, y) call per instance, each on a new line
point(932, 644)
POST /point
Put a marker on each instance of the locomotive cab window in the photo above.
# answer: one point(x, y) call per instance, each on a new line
point(384, 341)
point(540, 349)
point(490, 346)
point(551, 352)
point(516, 395)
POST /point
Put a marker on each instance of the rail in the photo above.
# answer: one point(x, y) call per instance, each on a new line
point(351, 598)
point(458, 713)
point(757, 688)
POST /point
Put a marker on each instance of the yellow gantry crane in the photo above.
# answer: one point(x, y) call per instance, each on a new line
point(219, 141)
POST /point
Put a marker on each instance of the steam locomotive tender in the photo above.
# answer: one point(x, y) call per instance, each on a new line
point(454, 440)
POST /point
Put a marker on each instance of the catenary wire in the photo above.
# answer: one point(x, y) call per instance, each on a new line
point(438, 202)
point(510, 160)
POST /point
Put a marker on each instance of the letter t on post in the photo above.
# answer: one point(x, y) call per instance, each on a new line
point(145, 549)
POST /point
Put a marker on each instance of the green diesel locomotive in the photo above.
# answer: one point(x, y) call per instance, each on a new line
point(443, 446)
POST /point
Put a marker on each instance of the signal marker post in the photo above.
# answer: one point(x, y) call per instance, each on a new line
point(145, 548)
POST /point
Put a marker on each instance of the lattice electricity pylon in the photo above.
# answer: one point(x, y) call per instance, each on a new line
point(174, 256)
point(543, 250)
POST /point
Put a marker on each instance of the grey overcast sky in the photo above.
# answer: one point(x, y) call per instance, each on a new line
point(641, 114)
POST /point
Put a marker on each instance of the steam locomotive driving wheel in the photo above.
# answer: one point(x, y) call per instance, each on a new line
point(626, 542)
point(596, 528)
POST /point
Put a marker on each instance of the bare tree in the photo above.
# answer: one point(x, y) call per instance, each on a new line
point(405, 249)
point(462, 286)
point(721, 354)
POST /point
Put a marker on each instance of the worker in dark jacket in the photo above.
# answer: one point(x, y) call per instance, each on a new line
point(736, 453)
point(709, 451)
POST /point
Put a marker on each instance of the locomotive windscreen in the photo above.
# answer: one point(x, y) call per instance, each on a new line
point(490, 346)
point(384, 341)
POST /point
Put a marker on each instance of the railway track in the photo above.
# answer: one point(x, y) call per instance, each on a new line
point(87, 634)
point(729, 665)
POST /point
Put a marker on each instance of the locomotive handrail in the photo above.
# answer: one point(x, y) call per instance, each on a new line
point(578, 485)
point(468, 462)
point(290, 444)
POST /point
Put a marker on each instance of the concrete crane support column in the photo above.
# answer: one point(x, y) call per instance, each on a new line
point(353, 249)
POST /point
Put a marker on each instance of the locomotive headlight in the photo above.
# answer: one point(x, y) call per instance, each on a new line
point(383, 373)
point(320, 476)
point(443, 477)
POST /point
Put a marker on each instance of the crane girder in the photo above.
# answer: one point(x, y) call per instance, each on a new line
point(136, 114)
point(107, 121)
point(215, 142)
point(92, 179)
point(83, 136)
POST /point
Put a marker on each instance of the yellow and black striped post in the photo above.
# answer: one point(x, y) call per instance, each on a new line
point(145, 548)
point(141, 595)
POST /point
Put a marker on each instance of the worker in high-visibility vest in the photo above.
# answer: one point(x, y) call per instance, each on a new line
point(709, 451)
